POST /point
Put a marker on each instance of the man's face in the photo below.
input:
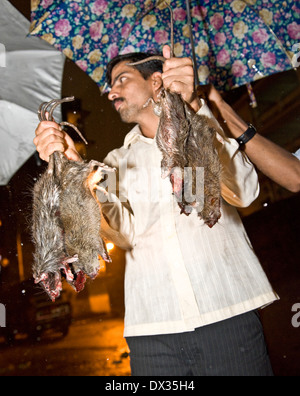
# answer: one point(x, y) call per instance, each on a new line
point(129, 92)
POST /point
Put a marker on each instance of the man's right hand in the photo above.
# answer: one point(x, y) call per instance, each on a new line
point(50, 137)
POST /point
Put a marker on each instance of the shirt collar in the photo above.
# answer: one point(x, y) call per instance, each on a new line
point(134, 135)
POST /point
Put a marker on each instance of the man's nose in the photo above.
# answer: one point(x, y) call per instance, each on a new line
point(112, 94)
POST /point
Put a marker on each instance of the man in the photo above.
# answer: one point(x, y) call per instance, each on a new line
point(271, 159)
point(191, 292)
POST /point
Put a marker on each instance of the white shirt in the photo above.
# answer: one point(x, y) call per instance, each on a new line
point(297, 154)
point(180, 274)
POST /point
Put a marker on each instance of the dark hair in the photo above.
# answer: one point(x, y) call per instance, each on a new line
point(146, 69)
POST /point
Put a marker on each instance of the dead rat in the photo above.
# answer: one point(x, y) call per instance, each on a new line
point(80, 214)
point(171, 138)
point(47, 231)
point(201, 153)
point(186, 141)
point(66, 220)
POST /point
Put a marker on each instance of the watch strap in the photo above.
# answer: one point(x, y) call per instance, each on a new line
point(247, 135)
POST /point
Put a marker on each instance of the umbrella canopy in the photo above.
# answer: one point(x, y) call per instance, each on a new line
point(30, 73)
point(236, 41)
point(90, 33)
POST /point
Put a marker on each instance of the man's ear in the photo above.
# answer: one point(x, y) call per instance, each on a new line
point(157, 83)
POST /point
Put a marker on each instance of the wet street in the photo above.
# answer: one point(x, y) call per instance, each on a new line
point(93, 347)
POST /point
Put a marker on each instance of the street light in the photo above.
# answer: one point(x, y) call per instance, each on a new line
point(109, 246)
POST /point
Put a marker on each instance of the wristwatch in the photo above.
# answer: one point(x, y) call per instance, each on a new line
point(246, 136)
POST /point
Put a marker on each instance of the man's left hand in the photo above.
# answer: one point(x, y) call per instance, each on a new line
point(178, 76)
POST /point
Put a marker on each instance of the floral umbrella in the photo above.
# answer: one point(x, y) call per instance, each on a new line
point(236, 41)
point(90, 33)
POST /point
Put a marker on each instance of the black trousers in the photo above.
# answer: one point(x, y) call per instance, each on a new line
point(233, 347)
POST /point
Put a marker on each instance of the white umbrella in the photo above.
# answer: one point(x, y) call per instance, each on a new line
point(30, 73)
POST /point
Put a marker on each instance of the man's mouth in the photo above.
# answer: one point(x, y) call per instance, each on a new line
point(117, 103)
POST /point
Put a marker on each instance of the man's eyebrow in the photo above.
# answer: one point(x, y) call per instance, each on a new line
point(117, 77)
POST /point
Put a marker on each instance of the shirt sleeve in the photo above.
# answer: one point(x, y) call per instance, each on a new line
point(117, 220)
point(239, 180)
point(297, 154)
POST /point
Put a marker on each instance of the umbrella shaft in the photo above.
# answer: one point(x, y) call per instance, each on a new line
point(188, 11)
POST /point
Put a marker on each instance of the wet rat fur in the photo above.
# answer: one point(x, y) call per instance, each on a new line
point(81, 216)
point(66, 224)
point(47, 229)
point(201, 153)
point(186, 140)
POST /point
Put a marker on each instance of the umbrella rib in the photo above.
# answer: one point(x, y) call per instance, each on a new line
point(158, 57)
point(139, 17)
point(272, 32)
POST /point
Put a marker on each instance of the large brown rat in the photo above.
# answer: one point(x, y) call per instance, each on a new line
point(186, 140)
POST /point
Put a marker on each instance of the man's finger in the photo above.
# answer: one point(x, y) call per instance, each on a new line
point(181, 72)
point(167, 51)
point(177, 62)
point(44, 125)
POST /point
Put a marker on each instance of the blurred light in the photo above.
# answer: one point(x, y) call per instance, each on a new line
point(5, 262)
point(109, 246)
point(81, 148)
